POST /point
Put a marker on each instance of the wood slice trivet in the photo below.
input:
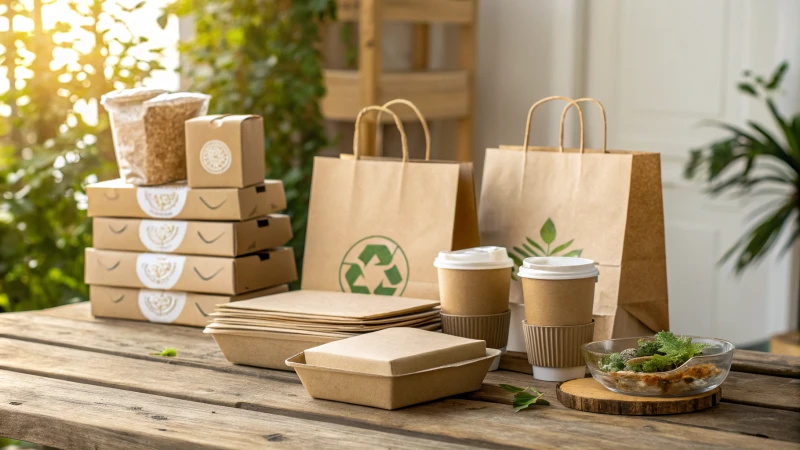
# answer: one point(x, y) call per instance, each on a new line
point(587, 394)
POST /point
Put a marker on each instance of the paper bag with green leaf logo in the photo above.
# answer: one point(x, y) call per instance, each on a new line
point(605, 205)
point(375, 225)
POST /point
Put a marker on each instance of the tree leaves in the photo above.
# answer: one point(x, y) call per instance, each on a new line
point(525, 397)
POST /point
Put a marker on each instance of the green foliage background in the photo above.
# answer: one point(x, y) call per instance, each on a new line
point(48, 150)
point(261, 57)
point(252, 56)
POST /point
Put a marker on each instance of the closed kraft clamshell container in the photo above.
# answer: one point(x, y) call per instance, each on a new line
point(558, 290)
point(225, 150)
point(475, 281)
point(393, 368)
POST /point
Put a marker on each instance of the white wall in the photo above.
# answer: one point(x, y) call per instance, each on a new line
point(660, 68)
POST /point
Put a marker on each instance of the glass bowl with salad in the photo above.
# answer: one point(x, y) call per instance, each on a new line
point(663, 365)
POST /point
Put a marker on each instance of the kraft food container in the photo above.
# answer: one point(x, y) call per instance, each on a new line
point(205, 274)
point(225, 150)
point(392, 391)
point(264, 349)
point(205, 238)
point(171, 307)
point(116, 198)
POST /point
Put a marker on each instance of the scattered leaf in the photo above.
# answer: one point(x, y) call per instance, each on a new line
point(168, 351)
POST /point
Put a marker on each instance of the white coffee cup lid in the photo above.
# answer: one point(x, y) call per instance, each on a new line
point(557, 268)
point(476, 258)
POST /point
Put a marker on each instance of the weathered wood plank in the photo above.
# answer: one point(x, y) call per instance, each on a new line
point(68, 415)
point(139, 339)
point(743, 361)
point(766, 363)
point(745, 388)
point(479, 423)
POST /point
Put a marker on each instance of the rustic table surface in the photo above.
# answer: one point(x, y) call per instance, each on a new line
point(71, 381)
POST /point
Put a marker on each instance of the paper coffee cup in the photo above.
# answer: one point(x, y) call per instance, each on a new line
point(492, 328)
point(554, 352)
point(558, 290)
point(475, 281)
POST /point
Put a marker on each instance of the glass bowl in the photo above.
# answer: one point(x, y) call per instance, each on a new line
point(700, 374)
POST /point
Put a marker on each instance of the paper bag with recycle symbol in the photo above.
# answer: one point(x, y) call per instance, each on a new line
point(376, 224)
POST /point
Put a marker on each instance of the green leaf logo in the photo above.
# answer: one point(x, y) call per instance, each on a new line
point(374, 265)
point(531, 248)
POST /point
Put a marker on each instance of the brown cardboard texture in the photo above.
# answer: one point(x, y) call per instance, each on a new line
point(191, 237)
point(474, 292)
point(490, 328)
point(602, 204)
point(232, 313)
point(335, 304)
point(322, 327)
point(393, 392)
point(115, 198)
point(177, 308)
point(225, 151)
point(558, 302)
point(205, 274)
point(434, 325)
point(264, 349)
point(395, 351)
point(557, 346)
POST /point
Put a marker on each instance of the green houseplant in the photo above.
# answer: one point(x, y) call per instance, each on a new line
point(755, 161)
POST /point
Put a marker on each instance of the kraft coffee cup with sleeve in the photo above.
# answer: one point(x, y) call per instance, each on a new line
point(474, 288)
point(559, 296)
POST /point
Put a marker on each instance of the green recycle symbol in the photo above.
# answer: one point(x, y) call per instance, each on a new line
point(385, 257)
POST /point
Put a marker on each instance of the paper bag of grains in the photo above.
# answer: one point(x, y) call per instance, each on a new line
point(148, 130)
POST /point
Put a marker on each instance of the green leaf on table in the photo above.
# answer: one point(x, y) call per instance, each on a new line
point(168, 352)
point(525, 397)
point(548, 232)
point(512, 389)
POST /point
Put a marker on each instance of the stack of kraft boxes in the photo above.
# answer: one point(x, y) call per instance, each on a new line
point(170, 253)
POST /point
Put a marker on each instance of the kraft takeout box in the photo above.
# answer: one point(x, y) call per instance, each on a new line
point(268, 349)
point(395, 351)
point(225, 151)
point(173, 307)
point(115, 198)
point(213, 275)
point(394, 368)
point(191, 237)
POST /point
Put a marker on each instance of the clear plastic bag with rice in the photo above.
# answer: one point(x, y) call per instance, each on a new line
point(149, 135)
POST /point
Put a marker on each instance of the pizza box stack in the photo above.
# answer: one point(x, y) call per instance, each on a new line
point(169, 253)
point(265, 331)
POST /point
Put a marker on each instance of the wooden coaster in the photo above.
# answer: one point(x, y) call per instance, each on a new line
point(587, 394)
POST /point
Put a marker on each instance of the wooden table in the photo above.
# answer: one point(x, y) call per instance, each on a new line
point(71, 381)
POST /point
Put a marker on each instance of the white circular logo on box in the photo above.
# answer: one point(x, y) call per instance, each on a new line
point(163, 202)
point(215, 156)
point(163, 307)
point(162, 235)
point(159, 271)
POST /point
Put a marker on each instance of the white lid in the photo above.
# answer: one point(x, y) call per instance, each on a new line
point(476, 258)
point(557, 268)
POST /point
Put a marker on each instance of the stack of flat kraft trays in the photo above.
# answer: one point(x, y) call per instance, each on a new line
point(170, 253)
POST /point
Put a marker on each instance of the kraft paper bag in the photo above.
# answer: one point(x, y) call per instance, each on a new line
point(375, 225)
point(605, 205)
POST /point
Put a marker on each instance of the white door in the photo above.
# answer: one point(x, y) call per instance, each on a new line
point(661, 68)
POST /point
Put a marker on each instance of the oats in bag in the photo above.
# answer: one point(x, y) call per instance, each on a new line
point(148, 129)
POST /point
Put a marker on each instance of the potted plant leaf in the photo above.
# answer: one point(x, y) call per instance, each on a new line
point(753, 160)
